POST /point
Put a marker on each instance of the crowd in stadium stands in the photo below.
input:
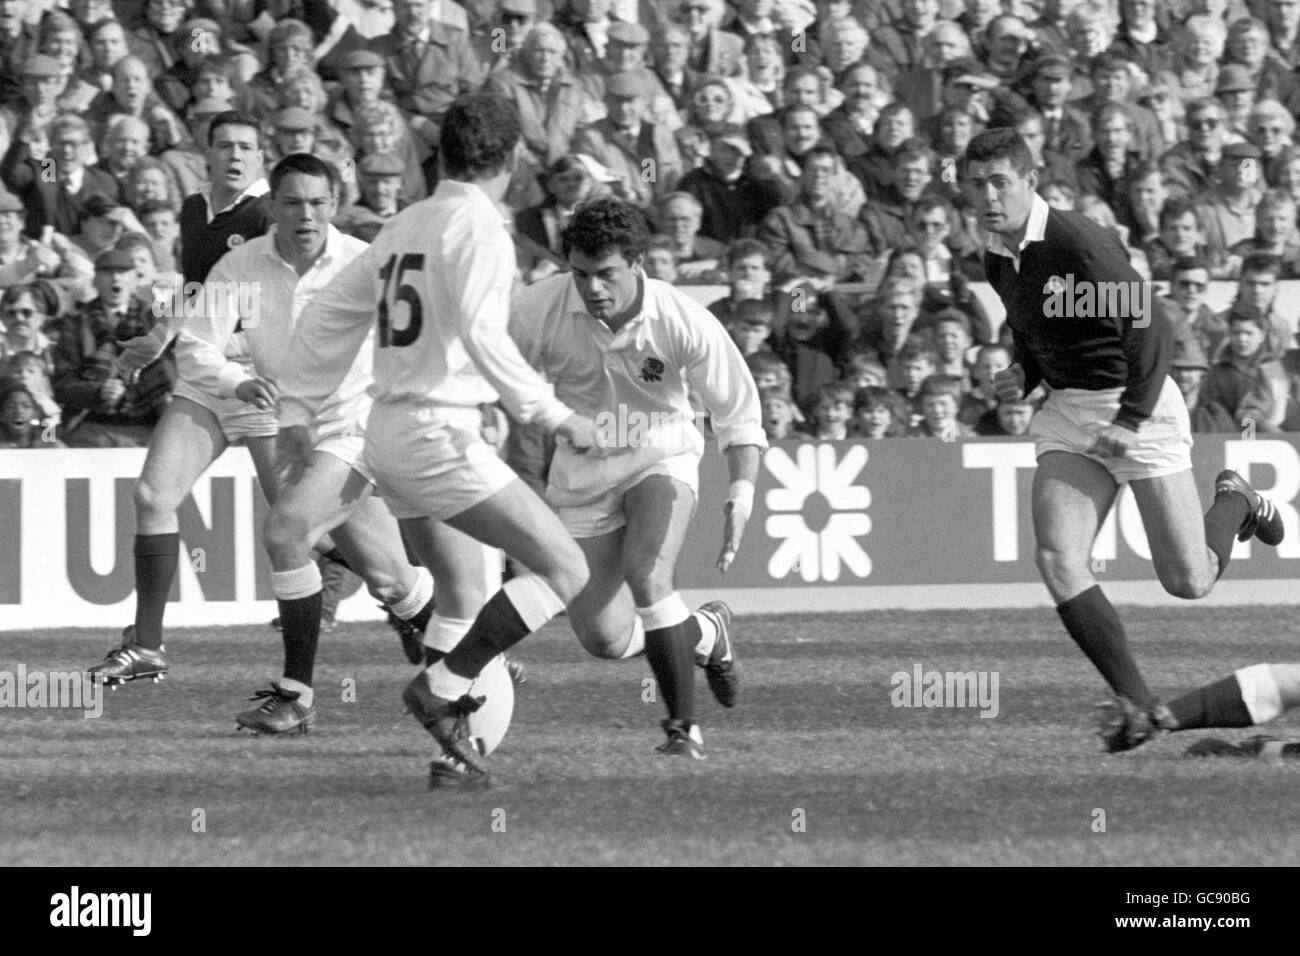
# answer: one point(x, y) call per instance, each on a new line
point(803, 155)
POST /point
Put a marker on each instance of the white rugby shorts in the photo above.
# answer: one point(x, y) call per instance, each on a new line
point(1071, 417)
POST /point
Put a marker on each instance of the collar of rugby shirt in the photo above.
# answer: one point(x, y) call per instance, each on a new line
point(332, 236)
point(259, 188)
point(1035, 231)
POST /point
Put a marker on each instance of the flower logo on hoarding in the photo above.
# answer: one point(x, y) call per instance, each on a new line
point(820, 512)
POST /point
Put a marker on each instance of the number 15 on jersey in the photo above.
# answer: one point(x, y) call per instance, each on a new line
point(397, 291)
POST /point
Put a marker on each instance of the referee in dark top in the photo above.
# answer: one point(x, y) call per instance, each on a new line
point(235, 206)
point(1084, 323)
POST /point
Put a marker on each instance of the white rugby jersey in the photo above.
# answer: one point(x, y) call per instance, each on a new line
point(253, 285)
point(637, 383)
point(436, 284)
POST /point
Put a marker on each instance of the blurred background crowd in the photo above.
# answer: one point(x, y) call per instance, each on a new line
point(798, 163)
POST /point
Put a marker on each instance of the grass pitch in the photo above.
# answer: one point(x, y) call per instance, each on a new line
point(814, 766)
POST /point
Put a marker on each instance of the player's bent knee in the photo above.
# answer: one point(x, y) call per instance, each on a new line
point(1187, 584)
point(1061, 571)
point(285, 530)
point(598, 642)
point(155, 499)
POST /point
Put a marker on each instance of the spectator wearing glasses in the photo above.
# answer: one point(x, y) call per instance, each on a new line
point(57, 201)
point(1270, 127)
point(497, 51)
point(1192, 166)
point(1188, 312)
point(25, 310)
point(1228, 209)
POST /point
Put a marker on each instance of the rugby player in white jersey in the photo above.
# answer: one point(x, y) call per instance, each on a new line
point(627, 351)
point(436, 284)
point(324, 486)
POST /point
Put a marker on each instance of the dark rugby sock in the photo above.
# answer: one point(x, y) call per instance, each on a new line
point(497, 628)
point(156, 559)
point(1095, 627)
point(300, 624)
point(1214, 705)
point(1222, 522)
point(671, 653)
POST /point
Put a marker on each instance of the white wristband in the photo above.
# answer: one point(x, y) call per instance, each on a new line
point(741, 497)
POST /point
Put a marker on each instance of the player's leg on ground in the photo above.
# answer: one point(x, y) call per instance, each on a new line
point(456, 562)
point(1252, 695)
point(1071, 497)
point(1189, 551)
point(659, 511)
point(186, 440)
point(516, 521)
point(325, 495)
point(604, 615)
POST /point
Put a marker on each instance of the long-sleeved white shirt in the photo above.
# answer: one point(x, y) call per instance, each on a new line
point(436, 284)
point(637, 383)
point(253, 286)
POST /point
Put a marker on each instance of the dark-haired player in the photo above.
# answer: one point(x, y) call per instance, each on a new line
point(1114, 415)
point(628, 351)
point(437, 283)
point(325, 487)
point(196, 426)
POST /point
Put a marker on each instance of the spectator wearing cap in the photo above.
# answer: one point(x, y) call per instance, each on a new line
point(381, 129)
point(1271, 128)
point(290, 46)
point(1192, 166)
point(895, 126)
point(23, 259)
point(1142, 38)
point(380, 176)
point(550, 102)
point(1227, 211)
point(1104, 171)
point(362, 73)
point(1275, 235)
point(903, 43)
point(1248, 47)
point(428, 64)
point(42, 81)
point(57, 200)
point(1066, 129)
point(811, 237)
point(1236, 91)
point(734, 202)
point(26, 311)
point(497, 51)
point(1188, 369)
point(712, 52)
point(625, 55)
point(101, 409)
point(670, 54)
point(642, 155)
point(1113, 82)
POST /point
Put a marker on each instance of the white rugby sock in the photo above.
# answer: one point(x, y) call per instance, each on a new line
point(445, 684)
point(306, 696)
point(416, 598)
point(635, 640)
point(444, 633)
point(708, 634)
